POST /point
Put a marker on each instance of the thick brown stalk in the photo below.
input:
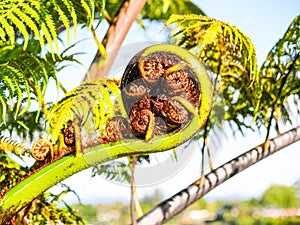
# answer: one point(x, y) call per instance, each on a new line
point(177, 203)
point(114, 37)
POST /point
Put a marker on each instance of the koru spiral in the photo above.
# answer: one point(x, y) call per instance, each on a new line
point(151, 85)
point(43, 149)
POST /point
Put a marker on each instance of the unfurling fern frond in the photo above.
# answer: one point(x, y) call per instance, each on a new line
point(10, 145)
point(89, 106)
point(41, 19)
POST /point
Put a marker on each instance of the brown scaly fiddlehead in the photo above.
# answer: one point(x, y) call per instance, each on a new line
point(44, 151)
point(41, 149)
point(150, 85)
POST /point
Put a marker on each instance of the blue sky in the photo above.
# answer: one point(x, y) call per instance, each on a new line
point(264, 21)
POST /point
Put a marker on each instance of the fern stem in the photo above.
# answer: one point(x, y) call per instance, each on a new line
point(107, 17)
point(27, 190)
point(62, 87)
point(101, 48)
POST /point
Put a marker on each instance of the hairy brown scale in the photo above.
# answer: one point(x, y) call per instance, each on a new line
point(174, 113)
point(167, 114)
point(192, 90)
point(139, 121)
point(43, 150)
point(153, 70)
point(69, 134)
point(155, 65)
point(116, 128)
point(136, 90)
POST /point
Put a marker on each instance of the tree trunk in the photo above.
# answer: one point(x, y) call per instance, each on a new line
point(177, 203)
point(114, 37)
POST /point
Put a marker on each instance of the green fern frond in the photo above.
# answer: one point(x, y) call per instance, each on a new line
point(231, 57)
point(19, 24)
point(89, 106)
point(162, 10)
point(280, 71)
point(201, 33)
point(2, 34)
point(88, 6)
point(41, 19)
point(9, 30)
point(116, 170)
point(10, 145)
point(22, 76)
point(3, 107)
point(64, 18)
point(50, 29)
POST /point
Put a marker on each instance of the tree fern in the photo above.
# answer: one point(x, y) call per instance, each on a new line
point(19, 70)
point(282, 65)
point(40, 19)
point(25, 127)
point(230, 55)
point(89, 106)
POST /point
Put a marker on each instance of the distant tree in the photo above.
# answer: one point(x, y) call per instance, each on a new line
point(89, 212)
point(154, 198)
point(280, 196)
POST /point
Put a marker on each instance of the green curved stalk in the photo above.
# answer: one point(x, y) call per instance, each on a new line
point(31, 187)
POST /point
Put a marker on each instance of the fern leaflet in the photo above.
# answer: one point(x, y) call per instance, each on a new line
point(23, 77)
point(201, 33)
point(230, 55)
point(10, 145)
point(90, 105)
point(41, 19)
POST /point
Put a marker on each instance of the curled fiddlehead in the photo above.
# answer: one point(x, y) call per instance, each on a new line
point(44, 150)
point(41, 149)
point(152, 81)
